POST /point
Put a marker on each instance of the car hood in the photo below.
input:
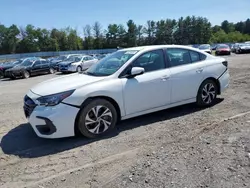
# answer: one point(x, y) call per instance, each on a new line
point(64, 83)
point(245, 47)
point(17, 68)
point(7, 66)
point(223, 49)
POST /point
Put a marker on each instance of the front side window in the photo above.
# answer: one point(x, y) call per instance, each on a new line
point(44, 62)
point(110, 64)
point(26, 63)
point(178, 56)
point(37, 63)
point(150, 61)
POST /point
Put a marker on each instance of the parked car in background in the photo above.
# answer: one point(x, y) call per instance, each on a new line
point(9, 65)
point(55, 62)
point(100, 56)
point(29, 67)
point(205, 48)
point(222, 49)
point(242, 48)
point(213, 47)
point(77, 63)
point(128, 83)
point(52, 59)
point(233, 48)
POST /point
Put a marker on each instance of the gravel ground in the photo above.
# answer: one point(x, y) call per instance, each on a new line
point(180, 147)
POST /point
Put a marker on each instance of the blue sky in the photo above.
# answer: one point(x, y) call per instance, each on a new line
point(77, 13)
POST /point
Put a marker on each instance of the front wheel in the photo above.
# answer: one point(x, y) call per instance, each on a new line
point(26, 74)
point(51, 71)
point(207, 93)
point(1, 74)
point(79, 69)
point(97, 118)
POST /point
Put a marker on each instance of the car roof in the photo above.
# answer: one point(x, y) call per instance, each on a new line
point(155, 47)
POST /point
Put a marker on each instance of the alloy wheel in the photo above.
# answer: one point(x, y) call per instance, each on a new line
point(208, 93)
point(51, 70)
point(98, 119)
point(26, 74)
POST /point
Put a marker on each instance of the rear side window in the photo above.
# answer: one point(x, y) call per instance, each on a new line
point(195, 56)
point(202, 57)
point(178, 56)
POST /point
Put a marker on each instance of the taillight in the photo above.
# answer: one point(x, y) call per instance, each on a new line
point(225, 63)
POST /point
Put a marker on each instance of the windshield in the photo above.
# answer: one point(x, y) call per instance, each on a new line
point(223, 46)
point(244, 44)
point(74, 58)
point(62, 58)
point(26, 63)
point(203, 47)
point(110, 64)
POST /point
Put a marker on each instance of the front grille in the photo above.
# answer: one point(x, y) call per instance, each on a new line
point(63, 67)
point(29, 106)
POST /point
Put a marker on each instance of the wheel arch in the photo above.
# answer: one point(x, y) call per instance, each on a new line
point(215, 80)
point(111, 100)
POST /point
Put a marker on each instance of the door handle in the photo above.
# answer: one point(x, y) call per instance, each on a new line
point(165, 77)
point(200, 70)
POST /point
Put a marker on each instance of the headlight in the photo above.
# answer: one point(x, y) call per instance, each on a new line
point(55, 99)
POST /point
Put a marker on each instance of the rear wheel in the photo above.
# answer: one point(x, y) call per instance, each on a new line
point(1, 74)
point(26, 74)
point(207, 93)
point(51, 71)
point(97, 118)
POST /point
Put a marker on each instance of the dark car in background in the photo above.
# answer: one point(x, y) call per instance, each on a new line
point(29, 67)
point(8, 65)
point(222, 49)
point(242, 48)
point(55, 62)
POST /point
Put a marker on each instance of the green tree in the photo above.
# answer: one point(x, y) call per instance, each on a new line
point(131, 33)
point(150, 31)
point(227, 27)
point(98, 37)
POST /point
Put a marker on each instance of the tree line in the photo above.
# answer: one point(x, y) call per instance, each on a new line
point(188, 30)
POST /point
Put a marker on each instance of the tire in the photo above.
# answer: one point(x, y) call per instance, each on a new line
point(205, 99)
point(1, 74)
point(88, 127)
point(26, 74)
point(51, 71)
point(79, 69)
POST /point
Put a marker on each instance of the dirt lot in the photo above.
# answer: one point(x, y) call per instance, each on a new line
point(181, 147)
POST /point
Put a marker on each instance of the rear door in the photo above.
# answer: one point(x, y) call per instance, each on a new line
point(187, 73)
point(88, 62)
point(45, 66)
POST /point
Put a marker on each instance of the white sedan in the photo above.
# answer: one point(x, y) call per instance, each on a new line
point(77, 63)
point(128, 83)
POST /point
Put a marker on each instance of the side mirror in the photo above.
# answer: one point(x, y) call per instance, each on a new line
point(135, 71)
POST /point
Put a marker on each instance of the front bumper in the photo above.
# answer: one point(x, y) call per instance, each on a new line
point(245, 50)
point(67, 69)
point(53, 121)
point(223, 52)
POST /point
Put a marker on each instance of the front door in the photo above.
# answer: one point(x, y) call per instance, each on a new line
point(149, 90)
